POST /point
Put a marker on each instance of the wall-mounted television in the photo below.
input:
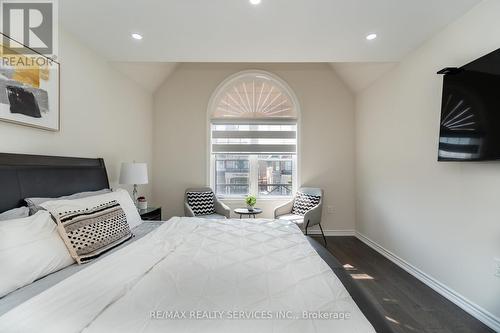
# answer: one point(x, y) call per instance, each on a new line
point(470, 111)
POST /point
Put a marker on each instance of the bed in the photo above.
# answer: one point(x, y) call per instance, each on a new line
point(182, 275)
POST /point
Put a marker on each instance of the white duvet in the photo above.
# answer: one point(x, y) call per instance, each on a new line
point(195, 275)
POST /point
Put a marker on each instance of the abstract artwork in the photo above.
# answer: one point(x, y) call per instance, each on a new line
point(29, 88)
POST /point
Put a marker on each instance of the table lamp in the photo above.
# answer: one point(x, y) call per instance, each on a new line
point(134, 174)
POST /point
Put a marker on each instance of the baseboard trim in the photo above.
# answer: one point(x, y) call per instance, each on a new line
point(473, 309)
point(347, 232)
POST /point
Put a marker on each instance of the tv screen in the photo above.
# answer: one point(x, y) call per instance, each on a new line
point(470, 111)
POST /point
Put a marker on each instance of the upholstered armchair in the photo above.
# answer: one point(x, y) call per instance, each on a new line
point(202, 202)
point(304, 210)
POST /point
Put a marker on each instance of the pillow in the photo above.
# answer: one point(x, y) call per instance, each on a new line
point(15, 213)
point(89, 226)
point(304, 203)
point(30, 248)
point(202, 203)
point(120, 195)
point(34, 203)
point(128, 206)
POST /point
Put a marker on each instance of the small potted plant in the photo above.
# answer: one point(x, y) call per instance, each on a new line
point(250, 200)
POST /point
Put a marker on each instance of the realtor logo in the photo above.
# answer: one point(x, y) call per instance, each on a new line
point(29, 23)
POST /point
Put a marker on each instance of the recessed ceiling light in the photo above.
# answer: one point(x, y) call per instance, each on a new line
point(371, 36)
point(255, 2)
point(136, 36)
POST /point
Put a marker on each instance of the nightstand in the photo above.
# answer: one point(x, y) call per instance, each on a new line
point(150, 214)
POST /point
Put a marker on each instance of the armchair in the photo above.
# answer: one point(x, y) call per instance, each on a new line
point(221, 211)
point(304, 210)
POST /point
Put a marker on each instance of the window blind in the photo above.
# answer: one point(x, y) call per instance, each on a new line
point(254, 138)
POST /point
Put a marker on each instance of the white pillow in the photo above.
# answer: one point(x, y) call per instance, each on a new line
point(120, 195)
point(33, 203)
point(30, 248)
point(15, 213)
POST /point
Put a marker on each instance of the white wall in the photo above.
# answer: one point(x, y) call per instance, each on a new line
point(443, 218)
point(103, 114)
point(327, 139)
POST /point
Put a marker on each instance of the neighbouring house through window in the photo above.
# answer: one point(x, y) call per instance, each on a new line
point(253, 133)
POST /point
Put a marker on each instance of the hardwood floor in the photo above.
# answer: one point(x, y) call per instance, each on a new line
point(407, 304)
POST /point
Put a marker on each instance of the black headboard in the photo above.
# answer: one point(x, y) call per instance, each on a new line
point(24, 176)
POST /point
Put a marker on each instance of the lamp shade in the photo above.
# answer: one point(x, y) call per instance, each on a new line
point(134, 173)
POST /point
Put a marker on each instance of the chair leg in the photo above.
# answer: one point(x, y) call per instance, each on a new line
point(307, 224)
point(323, 234)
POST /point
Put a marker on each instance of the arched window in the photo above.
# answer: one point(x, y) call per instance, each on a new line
point(253, 125)
point(253, 95)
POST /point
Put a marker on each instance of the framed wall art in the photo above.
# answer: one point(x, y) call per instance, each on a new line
point(29, 87)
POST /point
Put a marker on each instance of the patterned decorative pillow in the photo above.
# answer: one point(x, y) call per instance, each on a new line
point(89, 232)
point(202, 203)
point(304, 202)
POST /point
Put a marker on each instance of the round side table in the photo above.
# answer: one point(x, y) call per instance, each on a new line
point(245, 212)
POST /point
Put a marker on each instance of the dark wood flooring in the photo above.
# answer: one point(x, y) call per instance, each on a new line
point(407, 304)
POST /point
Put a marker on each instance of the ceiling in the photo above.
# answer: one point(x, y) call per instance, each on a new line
point(149, 75)
point(274, 31)
point(358, 76)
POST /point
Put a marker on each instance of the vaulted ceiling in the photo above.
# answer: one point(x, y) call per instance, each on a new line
point(149, 75)
point(330, 31)
point(358, 76)
point(274, 31)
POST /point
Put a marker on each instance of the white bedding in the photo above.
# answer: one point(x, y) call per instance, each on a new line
point(239, 268)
